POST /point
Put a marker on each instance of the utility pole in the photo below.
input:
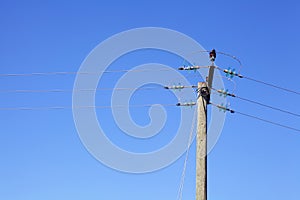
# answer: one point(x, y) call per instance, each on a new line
point(201, 159)
point(201, 148)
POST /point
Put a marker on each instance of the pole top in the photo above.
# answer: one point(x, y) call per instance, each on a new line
point(212, 55)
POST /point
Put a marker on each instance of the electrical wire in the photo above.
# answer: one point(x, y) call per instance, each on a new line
point(231, 56)
point(146, 88)
point(90, 90)
point(268, 121)
point(80, 73)
point(232, 73)
point(272, 85)
point(75, 90)
point(182, 180)
point(255, 117)
point(255, 102)
point(218, 52)
point(267, 106)
point(83, 73)
point(78, 107)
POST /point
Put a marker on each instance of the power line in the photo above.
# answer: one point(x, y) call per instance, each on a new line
point(225, 93)
point(75, 90)
point(80, 73)
point(254, 117)
point(232, 73)
point(272, 85)
point(83, 73)
point(97, 89)
point(77, 107)
point(267, 106)
point(222, 53)
point(233, 57)
point(268, 121)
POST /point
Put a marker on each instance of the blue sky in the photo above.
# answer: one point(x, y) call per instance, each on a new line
point(41, 154)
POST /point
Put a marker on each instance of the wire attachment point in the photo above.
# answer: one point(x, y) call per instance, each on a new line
point(191, 104)
point(230, 73)
point(224, 108)
point(194, 68)
point(225, 93)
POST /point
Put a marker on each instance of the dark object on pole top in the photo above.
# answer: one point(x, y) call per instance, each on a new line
point(212, 55)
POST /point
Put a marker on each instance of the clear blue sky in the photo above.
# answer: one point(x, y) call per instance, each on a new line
point(41, 154)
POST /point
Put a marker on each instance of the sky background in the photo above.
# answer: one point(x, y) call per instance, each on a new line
point(41, 154)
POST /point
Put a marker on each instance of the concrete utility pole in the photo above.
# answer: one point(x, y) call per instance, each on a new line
point(201, 159)
point(201, 149)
